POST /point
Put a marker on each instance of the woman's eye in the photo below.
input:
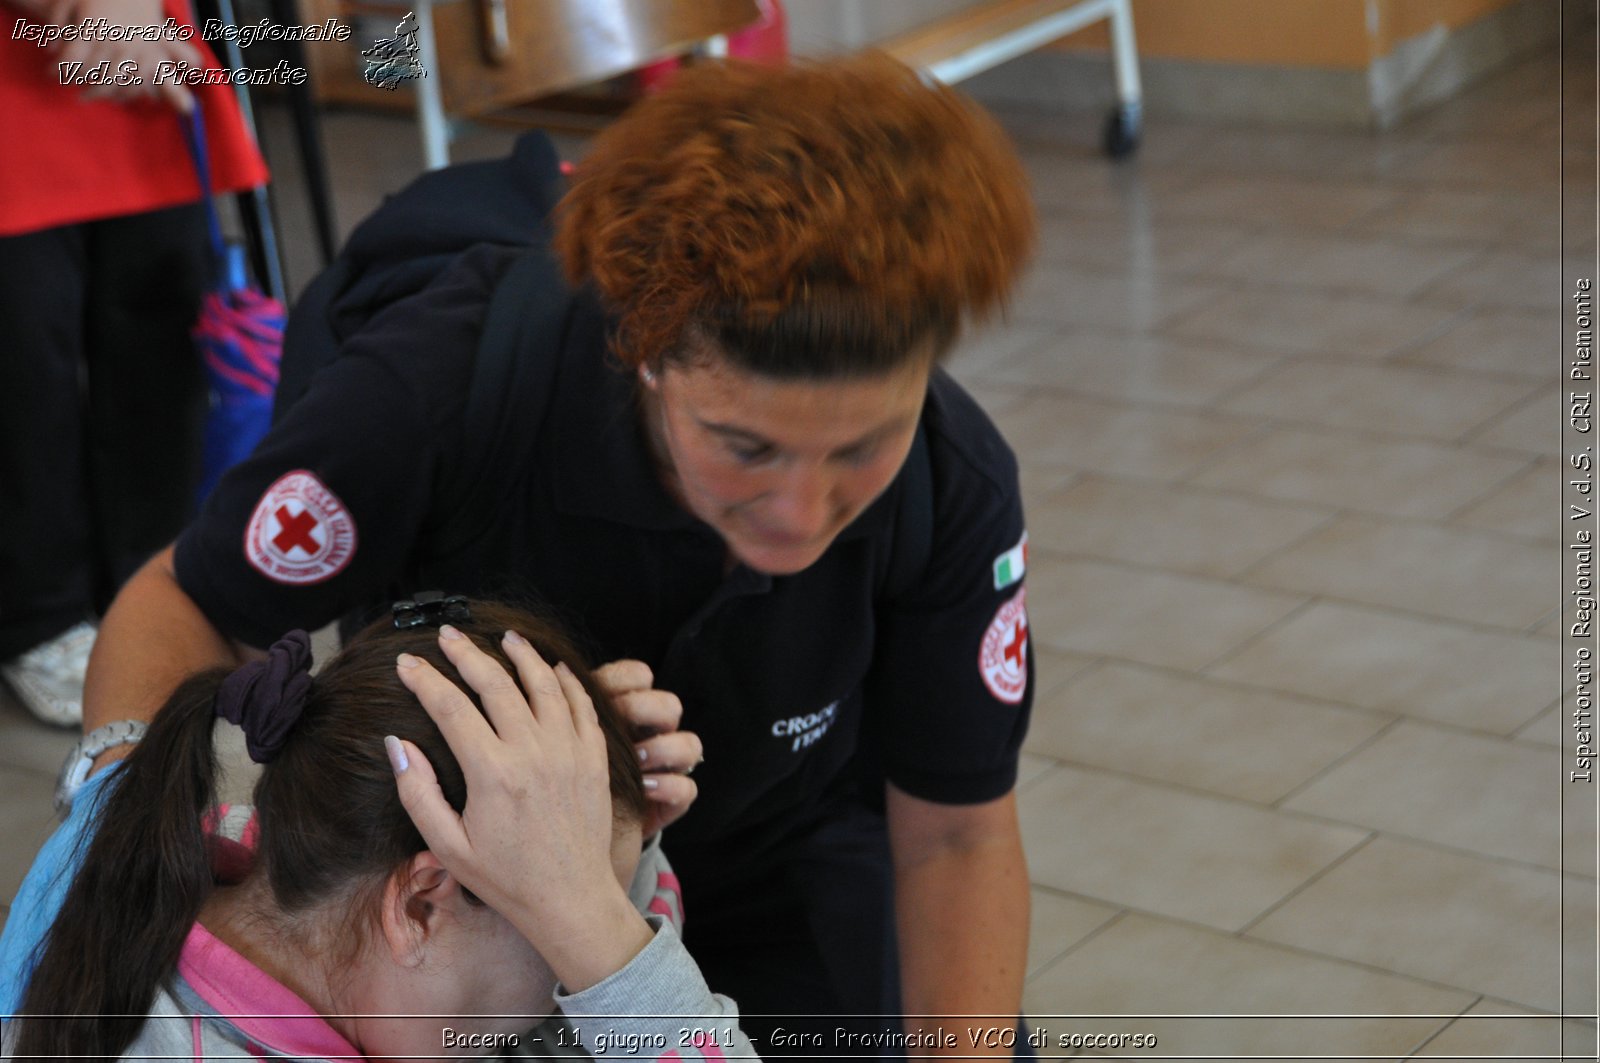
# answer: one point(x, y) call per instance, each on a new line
point(750, 455)
point(859, 455)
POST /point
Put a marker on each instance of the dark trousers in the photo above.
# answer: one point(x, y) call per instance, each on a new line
point(807, 948)
point(102, 399)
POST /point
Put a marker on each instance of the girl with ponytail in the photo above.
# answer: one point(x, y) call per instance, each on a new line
point(428, 871)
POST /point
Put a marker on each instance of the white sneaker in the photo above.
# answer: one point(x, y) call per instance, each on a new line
point(48, 679)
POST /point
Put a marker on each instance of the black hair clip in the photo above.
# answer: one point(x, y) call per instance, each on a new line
point(431, 609)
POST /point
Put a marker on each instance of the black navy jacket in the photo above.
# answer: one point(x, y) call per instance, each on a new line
point(786, 679)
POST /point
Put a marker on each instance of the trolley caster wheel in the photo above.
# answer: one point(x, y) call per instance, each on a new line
point(1121, 137)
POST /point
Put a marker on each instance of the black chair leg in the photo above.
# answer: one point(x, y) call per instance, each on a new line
point(308, 131)
point(261, 237)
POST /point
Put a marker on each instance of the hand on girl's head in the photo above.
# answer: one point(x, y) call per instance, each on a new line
point(535, 838)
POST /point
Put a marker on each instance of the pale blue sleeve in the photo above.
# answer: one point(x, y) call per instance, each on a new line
point(45, 887)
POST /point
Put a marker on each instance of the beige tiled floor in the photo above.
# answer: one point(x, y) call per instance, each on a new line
point(1227, 739)
point(1410, 666)
point(1445, 917)
point(1344, 796)
point(1419, 568)
point(1288, 412)
point(1329, 468)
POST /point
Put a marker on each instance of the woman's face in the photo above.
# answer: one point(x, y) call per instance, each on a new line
point(780, 467)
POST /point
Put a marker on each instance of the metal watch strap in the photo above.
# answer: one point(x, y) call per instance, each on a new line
point(75, 769)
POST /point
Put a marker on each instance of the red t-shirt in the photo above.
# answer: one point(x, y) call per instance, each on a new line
point(71, 160)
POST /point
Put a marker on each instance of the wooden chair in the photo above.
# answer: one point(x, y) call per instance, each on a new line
point(483, 55)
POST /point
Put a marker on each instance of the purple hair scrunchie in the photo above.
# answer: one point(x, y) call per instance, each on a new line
point(265, 698)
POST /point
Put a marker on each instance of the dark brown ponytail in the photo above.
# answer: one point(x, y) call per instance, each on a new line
point(142, 883)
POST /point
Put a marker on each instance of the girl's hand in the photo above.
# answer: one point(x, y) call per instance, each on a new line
point(534, 839)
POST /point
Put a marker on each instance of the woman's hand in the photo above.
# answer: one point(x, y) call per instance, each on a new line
point(137, 59)
point(666, 754)
point(48, 12)
point(534, 839)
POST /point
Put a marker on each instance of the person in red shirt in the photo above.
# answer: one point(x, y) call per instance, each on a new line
point(103, 258)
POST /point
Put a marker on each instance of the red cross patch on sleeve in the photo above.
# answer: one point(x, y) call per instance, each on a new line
point(1003, 656)
point(300, 532)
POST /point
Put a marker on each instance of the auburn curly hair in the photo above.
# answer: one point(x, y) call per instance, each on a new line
point(812, 220)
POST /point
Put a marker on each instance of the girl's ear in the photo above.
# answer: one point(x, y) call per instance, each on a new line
point(421, 901)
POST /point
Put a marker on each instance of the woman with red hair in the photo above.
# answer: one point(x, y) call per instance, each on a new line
point(745, 469)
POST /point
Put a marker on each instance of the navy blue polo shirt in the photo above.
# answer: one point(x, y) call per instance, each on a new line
point(784, 678)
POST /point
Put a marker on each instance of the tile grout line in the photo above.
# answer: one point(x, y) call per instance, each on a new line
point(1360, 747)
point(1256, 420)
point(1312, 819)
point(1469, 437)
point(1205, 670)
point(1527, 461)
point(1446, 524)
point(1516, 736)
point(1419, 979)
point(1335, 517)
point(1426, 1041)
point(1508, 862)
point(1265, 943)
point(1244, 687)
point(1393, 714)
point(1219, 402)
point(1482, 627)
point(1116, 918)
point(1254, 435)
point(1307, 598)
point(1316, 876)
point(1301, 695)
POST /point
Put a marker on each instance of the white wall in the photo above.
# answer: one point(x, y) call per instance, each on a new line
point(825, 27)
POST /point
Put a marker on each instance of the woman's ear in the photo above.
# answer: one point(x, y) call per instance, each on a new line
point(421, 901)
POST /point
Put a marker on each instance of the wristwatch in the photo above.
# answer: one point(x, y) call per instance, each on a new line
point(75, 769)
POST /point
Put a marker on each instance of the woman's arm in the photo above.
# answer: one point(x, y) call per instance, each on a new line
point(152, 638)
point(961, 911)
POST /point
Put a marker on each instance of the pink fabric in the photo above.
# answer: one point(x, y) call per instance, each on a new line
point(667, 882)
point(763, 41)
point(231, 858)
point(260, 1006)
point(251, 837)
point(707, 1046)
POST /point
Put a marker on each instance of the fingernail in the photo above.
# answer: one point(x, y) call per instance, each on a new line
point(515, 639)
point(651, 784)
point(397, 754)
point(644, 754)
point(448, 632)
point(562, 669)
point(405, 660)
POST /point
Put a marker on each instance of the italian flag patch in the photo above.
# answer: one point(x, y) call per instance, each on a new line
point(1010, 566)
